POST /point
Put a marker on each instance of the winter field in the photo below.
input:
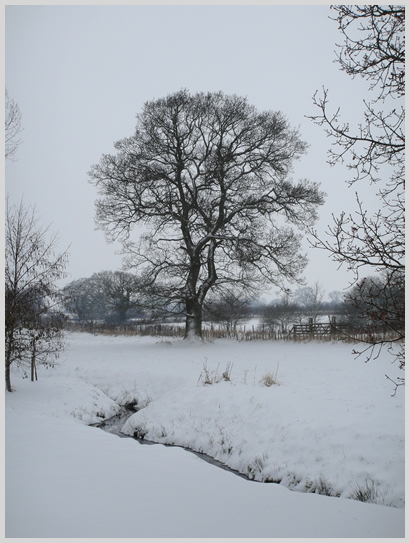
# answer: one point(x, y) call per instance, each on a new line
point(327, 429)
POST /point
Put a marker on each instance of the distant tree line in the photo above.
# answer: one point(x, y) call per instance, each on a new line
point(118, 298)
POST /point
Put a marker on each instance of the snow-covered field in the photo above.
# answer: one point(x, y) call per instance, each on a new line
point(330, 426)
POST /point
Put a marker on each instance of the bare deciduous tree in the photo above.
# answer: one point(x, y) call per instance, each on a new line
point(373, 49)
point(231, 307)
point(310, 299)
point(12, 127)
point(336, 297)
point(122, 292)
point(207, 176)
point(33, 326)
point(85, 299)
point(106, 295)
point(280, 313)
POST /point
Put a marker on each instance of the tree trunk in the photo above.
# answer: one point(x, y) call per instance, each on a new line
point(8, 363)
point(33, 361)
point(8, 381)
point(122, 316)
point(193, 326)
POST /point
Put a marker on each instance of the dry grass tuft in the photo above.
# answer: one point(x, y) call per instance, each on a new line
point(210, 377)
point(270, 378)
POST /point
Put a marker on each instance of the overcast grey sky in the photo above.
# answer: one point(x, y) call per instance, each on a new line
point(80, 74)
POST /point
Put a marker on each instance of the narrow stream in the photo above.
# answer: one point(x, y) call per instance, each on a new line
point(114, 424)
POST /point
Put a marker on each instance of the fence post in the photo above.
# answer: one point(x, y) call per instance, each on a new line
point(333, 325)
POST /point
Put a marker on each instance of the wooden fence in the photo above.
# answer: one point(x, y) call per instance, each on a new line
point(319, 330)
point(299, 332)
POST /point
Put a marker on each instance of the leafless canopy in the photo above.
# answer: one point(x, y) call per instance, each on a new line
point(207, 175)
point(12, 127)
point(373, 48)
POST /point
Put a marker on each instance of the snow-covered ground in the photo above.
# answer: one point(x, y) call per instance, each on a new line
point(330, 426)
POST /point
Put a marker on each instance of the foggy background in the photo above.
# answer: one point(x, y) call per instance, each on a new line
point(80, 74)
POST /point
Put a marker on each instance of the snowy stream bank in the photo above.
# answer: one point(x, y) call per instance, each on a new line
point(114, 424)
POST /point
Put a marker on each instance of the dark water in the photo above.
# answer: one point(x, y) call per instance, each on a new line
point(114, 425)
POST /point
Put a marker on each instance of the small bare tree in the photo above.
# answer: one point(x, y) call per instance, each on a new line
point(12, 127)
point(33, 324)
point(280, 313)
point(311, 299)
point(336, 297)
point(231, 307)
